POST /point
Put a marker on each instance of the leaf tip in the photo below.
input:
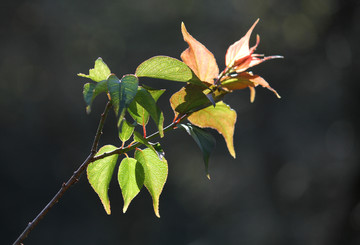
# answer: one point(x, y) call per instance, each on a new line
point(208, 176)
point(125, 208)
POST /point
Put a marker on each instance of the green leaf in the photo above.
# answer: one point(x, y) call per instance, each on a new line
point(168, 68)
point(91, 91)
point(131, 178)
point(122, 92)
point(221, 118)
point(126, 130)
point(193, 98)
point(99, 73)
point(156, 171)
point(204, 140)
point(99, 174)
point(145, 104)
point(139, 138)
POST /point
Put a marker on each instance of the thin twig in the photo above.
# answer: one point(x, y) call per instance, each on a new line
point(91, 158)
point(65, 186)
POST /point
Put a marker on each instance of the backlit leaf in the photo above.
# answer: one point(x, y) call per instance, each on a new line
point(139, 138)
point(144, 105)
point(99, 174)
point(168, 68)
point(247, 79)
point(193, 98)
point(90, 92)
point(204, 140)
point(126, 130)
point(239, 49)
point(156, 171)
point(199, 58)
point(99, 73)
point(122, 92)
point(131, 179)
point(221, 118)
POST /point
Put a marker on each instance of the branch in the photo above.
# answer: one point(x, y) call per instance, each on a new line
point(65, 186)
point(122, 150)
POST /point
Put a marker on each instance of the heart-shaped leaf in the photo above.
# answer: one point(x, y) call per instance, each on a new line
point(122, 92)
point(168, 68)
point(99, 73)
point(221, 118)
point(156, 171)
point(131, 179)
point(99, 174)
point(204, 140)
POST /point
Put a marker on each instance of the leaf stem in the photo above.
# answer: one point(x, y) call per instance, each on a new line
point(65, 186)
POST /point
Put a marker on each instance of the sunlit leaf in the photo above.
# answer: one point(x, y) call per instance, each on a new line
point(99, 73)
point(126, 130)
point(139, 138)
point(144, 105)
point(131, 179)
point(199, 58)
point(247, 79)
point(239, 49)
point(99, 174)
point(193, 98)
point(204, 140)
point(90, 92)
point(221, 118)
point(168, 68)
point(156, 171)
point(122, 92)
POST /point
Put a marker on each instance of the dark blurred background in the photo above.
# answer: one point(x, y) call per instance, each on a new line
point(296, 178)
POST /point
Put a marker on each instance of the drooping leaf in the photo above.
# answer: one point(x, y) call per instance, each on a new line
point(156, 171)
point(131, 179)
point(199, 58)
point(221, 118)
point(247, 79)
point(99, 73)
point(167, 68)
point(137, 112)
point(90, 92)
point(192, 98)
point(99, 174)
point(122, 92)
point(126, 130)
point(144, 105)
point(239, 49)
point(204, 140)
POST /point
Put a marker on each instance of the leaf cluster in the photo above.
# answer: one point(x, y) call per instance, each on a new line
point(200, 101)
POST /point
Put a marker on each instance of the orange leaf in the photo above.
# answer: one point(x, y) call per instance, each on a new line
point(247, 79)
point(199, 58)
point(221, 118)
point(240, 49)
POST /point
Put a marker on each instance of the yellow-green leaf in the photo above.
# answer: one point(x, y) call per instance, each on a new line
point(99, 174)
point(221, 118)
point(156, 171)
point(193, 98)
point(99, 73)
point(168, 68)
point(131, 179)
